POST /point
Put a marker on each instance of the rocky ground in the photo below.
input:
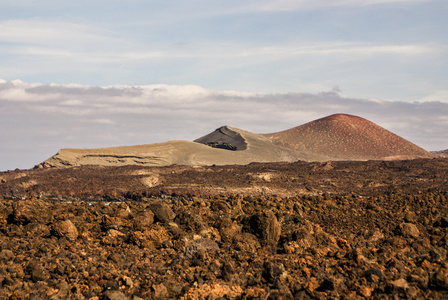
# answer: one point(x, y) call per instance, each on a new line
point(442, 153)
point(262, 231)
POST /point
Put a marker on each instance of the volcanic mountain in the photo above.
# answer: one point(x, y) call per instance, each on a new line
point(336, 137)
point(347, 137)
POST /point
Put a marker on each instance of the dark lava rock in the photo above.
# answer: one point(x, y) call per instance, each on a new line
point(191, 221)
point(229, 231)
point(355, 230)
point(65, 229)
point(114, 295)
point(200, 245)
point(440, 279)
point(399, 285)
point(143, 219)
point(160, 291)
point(443, 222)
point(408, 230)
point(24, 213)
point(108, 222)
point(274, 271)
point(222, 145)
point(247, 242)
point(6, 255)
point(36, 271)
point(265, 226)
point(162, 212)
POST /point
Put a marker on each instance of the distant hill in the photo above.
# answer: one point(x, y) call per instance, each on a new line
point(336, 137)
point(347, 137)
point(442, 153)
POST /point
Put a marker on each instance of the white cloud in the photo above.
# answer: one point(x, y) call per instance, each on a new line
point(73, 102)
point(436, 96)
point(98, 52)
point(61, 34)
point(103, 121)
point(65, 43)
point(174, 106)
point(360, 49)
point(253, 53)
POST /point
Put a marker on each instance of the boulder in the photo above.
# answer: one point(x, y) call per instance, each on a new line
point(66, 229)
point(265, 226)
point(408, 230)
point(162, 212)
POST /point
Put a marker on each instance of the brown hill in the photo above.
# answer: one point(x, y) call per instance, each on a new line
point(347, 137)
point(337, 137)
point(259, 149)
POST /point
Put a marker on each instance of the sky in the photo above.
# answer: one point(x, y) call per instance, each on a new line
point(87, 74)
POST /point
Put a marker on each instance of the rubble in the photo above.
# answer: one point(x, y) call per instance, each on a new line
point(231, 246)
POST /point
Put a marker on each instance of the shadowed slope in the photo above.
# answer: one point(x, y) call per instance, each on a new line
point(347, 137)
point(224, 138)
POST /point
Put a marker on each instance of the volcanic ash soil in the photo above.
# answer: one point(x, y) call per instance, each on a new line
point(221, 246)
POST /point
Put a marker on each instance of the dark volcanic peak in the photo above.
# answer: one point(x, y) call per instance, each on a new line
point(225, 138)
point(343, 136)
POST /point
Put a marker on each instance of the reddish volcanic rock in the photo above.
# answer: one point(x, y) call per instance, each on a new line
point(263, 231)
point(347, 137)
point(282, 179)
point(66, 229)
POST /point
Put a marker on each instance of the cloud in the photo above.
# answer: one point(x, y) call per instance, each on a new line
point(228, 45)
point(72, 43)
point(338, 48)
point(103, 121)
point(57, 34)
point(436, 96)
point(39, 119)
point(289, 5)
